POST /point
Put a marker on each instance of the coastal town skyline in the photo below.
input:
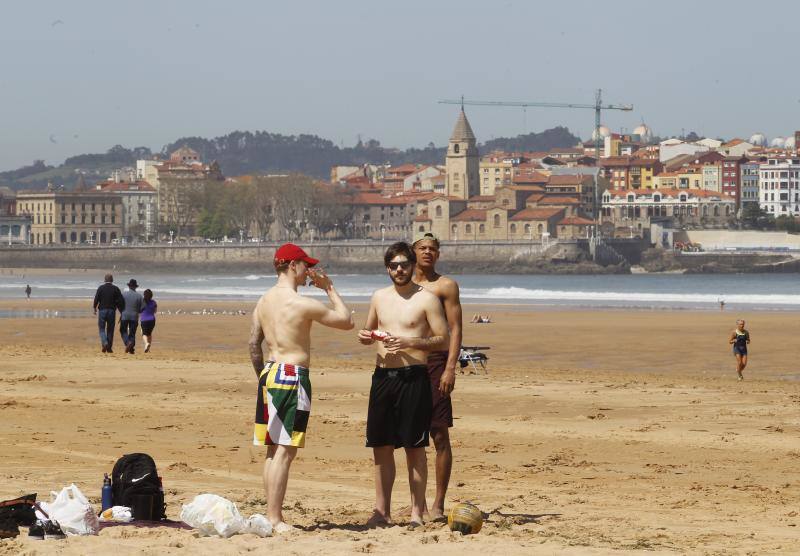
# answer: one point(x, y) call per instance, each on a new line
point(76, 84)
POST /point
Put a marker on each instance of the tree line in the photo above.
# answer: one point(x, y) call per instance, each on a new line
point(294, 205)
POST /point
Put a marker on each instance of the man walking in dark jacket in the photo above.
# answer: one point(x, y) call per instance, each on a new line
point(107, 300)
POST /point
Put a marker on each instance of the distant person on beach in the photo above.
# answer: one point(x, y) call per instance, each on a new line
point(129, 320)
point(739, 340)
point(28, 291)
point(283, 318)
point(441, 364)
point(107, 300)
point(721, 301)
point(148, 318)
point(400, 400)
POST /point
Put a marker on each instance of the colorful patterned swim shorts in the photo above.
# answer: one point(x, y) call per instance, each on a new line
point(283, 406)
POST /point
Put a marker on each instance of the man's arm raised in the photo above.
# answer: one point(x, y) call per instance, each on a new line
point(256, 337)
point(337, 317)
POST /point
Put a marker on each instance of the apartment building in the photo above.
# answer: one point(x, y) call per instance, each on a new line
point(779, 186)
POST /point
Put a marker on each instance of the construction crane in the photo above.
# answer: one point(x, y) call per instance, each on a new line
point(598, 107)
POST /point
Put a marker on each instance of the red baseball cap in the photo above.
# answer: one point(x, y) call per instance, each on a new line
point(291, 252)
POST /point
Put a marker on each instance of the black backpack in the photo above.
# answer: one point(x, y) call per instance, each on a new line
point(135, 474)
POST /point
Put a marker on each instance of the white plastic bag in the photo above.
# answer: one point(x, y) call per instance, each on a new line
point(258, 525)
point(213, 515)
point(73, 512)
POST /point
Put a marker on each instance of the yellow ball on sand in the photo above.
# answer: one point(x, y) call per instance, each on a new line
point(465, 518)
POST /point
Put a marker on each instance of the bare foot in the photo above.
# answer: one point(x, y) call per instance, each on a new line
point(282, 527)
point(379, 520)
point(437, 516)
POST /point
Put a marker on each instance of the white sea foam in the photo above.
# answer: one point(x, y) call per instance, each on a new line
point(609, 296)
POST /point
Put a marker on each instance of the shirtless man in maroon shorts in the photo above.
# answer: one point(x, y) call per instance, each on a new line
point(442, 364)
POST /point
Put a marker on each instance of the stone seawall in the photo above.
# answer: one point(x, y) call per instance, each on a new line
point(353, 256)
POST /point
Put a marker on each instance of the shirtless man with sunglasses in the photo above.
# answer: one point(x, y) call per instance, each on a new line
point(408, 323)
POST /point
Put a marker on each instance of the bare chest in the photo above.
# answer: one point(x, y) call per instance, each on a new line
point(402, 317)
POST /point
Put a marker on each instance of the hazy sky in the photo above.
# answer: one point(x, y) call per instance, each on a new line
point(82, 76)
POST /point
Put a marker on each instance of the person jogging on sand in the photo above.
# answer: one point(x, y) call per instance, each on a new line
point(409, 322)
point(283, 318)
point(739, 340)
point(441, 364)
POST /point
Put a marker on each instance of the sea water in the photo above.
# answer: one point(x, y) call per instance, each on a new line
point(643, 291)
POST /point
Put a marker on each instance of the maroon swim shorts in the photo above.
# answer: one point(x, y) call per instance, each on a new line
point(442, 416)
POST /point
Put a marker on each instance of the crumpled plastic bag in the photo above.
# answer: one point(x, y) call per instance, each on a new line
point(121, 514)
point(259, 525)
point(72, 511)
point(213, 515)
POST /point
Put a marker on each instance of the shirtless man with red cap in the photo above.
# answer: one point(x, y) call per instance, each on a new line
point(283, 318)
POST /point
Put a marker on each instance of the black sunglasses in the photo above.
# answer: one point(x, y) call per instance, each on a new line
point(395, 265)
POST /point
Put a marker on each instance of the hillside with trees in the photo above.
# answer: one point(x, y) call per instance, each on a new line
point(262, 152)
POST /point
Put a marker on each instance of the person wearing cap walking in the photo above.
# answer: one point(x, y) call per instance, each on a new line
point(129, 319)
point(283, 318)
point(441, 364)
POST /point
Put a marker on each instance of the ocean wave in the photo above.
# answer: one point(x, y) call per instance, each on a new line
point(609, 296)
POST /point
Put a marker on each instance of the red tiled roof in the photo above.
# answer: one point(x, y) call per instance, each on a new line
point(482, 198)
point(616, 161)
point(559, 200)
point(535, 155)
point(575, 221)
point(568, 179)
point(529, 166)
point(534, 177)
point(366, 198)
point(535, 197)
point(535, 188)
point(536, 213)
point(469, 215)
point(733, 142)
point(125, 186)
point(406, 168)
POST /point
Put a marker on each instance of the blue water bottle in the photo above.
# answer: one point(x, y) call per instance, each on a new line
point(106, 494)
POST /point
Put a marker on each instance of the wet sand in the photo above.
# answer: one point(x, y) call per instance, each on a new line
point(593, 432)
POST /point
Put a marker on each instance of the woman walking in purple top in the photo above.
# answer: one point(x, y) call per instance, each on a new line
point(148, 318)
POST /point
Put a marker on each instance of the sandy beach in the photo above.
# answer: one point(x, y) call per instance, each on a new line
point(594, 432)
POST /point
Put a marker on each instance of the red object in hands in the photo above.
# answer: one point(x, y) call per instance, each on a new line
point(379, 335)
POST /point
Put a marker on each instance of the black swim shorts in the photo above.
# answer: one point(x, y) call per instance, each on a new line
point(400, 407)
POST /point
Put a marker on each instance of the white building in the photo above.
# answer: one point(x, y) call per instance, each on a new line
point(779, 186)
point(630, 212)
point(711, 178)
point(146, 170)
point(671, 148)
point(139, 207)
point(710, 143)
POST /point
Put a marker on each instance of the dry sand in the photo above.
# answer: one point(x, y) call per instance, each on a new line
point(593, 432)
